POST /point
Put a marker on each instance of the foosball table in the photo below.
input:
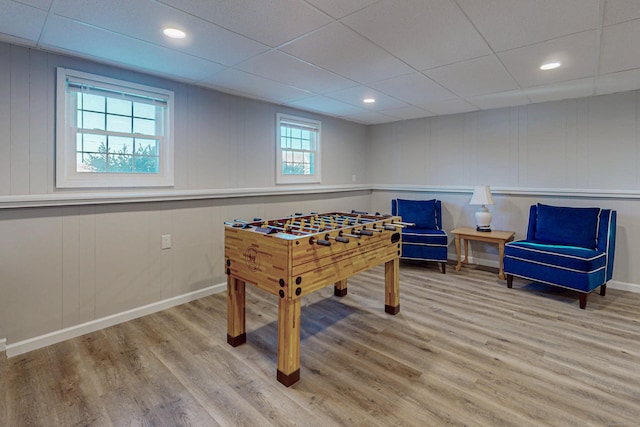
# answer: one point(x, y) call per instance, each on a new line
point(294, 256)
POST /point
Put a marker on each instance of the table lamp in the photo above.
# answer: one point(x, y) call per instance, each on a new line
point(482, 196)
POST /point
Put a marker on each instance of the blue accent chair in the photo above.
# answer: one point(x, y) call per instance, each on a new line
point(426, 241)
point(568, 247)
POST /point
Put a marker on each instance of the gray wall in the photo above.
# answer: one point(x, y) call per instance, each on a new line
point(581, 152)
point(64, 265)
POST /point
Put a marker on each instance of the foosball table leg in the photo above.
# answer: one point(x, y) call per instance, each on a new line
point(340, 288)
point(288, 341)
point(236, 332)
point(392, 286)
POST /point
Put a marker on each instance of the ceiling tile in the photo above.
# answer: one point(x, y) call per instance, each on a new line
point(65, 35)
point(576, 52)
point(21, 21)
point(40, 4)
point(278, 66)
point(370, 117)
point(424, 34)
point(355, 95)
point(325, 105)
point(451, 106)
point(509, 98)
point(617, 11)
point(255, 86)
point(507, 24)
point(344, 52)
point(618, 82)
point(473, 77)
point(620, 49)
point(407, 113)
point(271, 22)
point(341, 8)
point(408, 52)
point(145, 20)
point(566, 90)
point(415, 88)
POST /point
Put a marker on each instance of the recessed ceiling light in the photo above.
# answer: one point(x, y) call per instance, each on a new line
point(174, 33)
point(369, 100)
point(550, 66)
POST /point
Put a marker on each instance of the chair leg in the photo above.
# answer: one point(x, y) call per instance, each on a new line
point(509, 280)
point(443, 267)
point(583, 300)
point(603, 289)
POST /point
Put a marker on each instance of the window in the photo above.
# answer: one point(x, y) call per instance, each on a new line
point(297, 150)
point(111, 133)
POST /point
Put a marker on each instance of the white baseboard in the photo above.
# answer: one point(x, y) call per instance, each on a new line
point(623, 286)
point(3, 344)
point(611, 284)
point(35, 343)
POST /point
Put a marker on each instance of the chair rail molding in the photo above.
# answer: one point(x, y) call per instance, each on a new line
point(106, 197)
point(514, 191)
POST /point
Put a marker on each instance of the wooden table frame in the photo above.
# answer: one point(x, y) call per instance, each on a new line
point(496, 237)
point(288, 371)
point(290, 267)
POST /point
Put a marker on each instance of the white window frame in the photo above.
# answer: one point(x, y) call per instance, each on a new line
point(298, 178)
point(67, 175)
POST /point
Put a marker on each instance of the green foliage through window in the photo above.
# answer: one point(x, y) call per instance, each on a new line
point(144, 159)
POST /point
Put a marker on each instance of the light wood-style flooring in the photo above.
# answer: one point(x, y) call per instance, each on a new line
point(464, 350)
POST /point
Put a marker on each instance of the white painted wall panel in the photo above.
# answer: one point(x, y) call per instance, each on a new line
point(31, 272)
point(589, 143)
point(86, 264)
point(450, 154)
point(545, 136)
point(20, 120)
point(40, 115)
point(70, 267)
point(123, 255)
point(5, 120)
point(612, 143)
point(493, 147)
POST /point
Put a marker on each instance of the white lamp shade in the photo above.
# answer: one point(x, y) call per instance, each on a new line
point(481, 196)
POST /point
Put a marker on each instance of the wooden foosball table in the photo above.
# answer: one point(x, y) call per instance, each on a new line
point(294, 256)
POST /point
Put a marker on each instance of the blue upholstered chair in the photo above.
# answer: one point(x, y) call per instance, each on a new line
point(568, 247)
point(426, 241)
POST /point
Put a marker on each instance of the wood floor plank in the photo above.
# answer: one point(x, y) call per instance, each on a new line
point(463, 350)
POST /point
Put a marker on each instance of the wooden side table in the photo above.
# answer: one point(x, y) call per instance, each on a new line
point(468, 233)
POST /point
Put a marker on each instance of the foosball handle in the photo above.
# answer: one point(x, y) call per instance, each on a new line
point(342, 239)
point(320, 242)
point(366, 232)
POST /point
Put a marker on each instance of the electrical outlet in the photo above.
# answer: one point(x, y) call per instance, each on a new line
point(353, 178)
point(166, 241)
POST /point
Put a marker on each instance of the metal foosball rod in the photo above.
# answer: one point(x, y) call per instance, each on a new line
point(236, 223)
point(356, 220)
point(339, 238)
point(289, 229)
point(314, 240)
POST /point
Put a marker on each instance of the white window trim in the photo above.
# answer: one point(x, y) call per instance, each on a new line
point(66, 173)
point(298, 179)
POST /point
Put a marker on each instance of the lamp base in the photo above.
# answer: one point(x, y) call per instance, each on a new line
point(483, 219)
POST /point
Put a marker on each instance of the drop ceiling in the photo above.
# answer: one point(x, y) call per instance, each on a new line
point(417, 58)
